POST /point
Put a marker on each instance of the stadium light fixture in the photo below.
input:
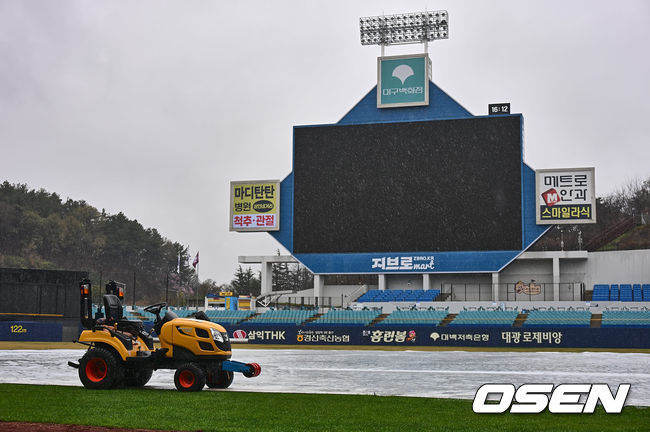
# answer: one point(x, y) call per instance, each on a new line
point(417, 27)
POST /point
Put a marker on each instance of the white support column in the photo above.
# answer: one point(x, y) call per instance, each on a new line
point(495, 287)
point(319, 284)
point(426, 282)
point(267, 277)
point(556, 278)
point(382, 282)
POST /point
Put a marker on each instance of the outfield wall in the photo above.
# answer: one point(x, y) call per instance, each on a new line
point(450, 336)
point(395, 335)
point(32, 331)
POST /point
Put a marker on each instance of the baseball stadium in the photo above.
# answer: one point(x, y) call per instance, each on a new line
point(430, 242)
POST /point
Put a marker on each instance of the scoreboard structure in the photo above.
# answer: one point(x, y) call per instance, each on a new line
point(422, 189)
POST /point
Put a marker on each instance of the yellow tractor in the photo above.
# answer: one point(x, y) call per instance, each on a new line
point(122, 354)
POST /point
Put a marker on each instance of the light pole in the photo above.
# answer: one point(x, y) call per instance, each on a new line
point(400, 29)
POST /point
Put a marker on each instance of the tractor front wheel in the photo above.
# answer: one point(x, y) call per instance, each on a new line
point(99, 369)
point(189, 377)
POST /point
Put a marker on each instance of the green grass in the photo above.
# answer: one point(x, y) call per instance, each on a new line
point(238, 411)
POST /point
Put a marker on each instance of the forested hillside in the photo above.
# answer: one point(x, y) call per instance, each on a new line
point(631, 203)
point(39, 230)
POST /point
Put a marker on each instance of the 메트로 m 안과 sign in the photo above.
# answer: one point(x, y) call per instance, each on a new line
point(565, 196)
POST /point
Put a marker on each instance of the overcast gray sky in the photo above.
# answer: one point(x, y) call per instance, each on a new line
point(152, 107)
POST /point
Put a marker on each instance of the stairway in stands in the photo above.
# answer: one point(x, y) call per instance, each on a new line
point(449, 318)
point(596, 320)
point(519, 321)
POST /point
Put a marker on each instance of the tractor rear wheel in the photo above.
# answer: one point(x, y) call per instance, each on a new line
point(100, 369)
point(189, 377)
point(220, 379)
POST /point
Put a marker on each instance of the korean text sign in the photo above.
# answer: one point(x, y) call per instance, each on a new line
point(565, 196)
point(403, 81)
point(255, 205)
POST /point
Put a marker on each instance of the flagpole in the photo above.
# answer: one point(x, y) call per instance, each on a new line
point(198, 286)
point(195, 264)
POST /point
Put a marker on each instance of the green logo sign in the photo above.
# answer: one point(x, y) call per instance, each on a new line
point(403, 81)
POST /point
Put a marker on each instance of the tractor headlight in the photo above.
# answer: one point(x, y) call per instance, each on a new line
point(216, 335)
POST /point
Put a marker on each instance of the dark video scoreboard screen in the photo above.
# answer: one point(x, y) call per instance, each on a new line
point(444, 185)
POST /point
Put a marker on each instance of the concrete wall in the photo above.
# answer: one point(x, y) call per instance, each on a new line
point(618, 267)
point(404, 282)
point(575, 269)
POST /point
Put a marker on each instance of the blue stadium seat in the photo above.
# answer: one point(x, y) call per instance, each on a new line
point(626, 293)
point(485, 318)
point(282, 317)
point(414, 317)
point(346, 317)
point(413, 296)
point(569, 318)
point(600, 293)
point(626, 318)
point(228, 317)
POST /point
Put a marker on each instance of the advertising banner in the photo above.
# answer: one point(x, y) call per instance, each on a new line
point(448, 336)
point(403, 80)
point(40, 331)
point(255, 205)
point(432, 262)
point(565, 196)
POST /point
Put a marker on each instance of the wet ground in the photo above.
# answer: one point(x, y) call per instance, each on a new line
point(452, 374)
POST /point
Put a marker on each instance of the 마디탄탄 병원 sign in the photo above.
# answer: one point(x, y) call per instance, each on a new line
point(255, 205)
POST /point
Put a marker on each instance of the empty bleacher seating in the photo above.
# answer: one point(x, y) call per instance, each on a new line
point(569, 318)
point(414, 317)
point(625, 293)
point(485, 317)
point(228, 317)
point(621, 292)
point(399, 296)
point(601, 292)
point(180, 312)
point(347, 317)
point(626, 318)
point(282, 317)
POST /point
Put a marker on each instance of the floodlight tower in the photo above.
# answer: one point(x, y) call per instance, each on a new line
point(401, 29)
point(403, 81)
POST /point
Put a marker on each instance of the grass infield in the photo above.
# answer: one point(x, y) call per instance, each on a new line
point(240, 411)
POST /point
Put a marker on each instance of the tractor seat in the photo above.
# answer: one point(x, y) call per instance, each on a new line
point(113, 311)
